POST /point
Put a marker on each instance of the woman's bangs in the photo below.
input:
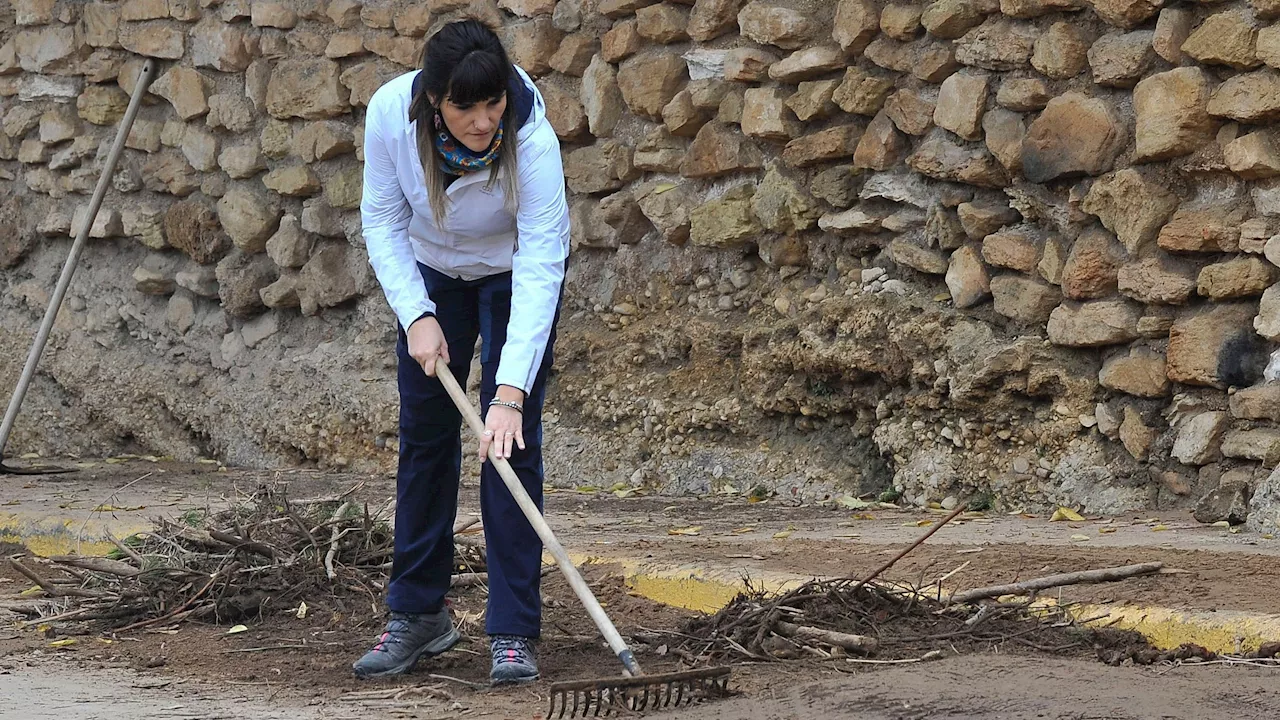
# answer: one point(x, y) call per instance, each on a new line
point(480, 77)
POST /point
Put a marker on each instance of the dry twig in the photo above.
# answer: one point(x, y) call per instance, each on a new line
point(1052, 581)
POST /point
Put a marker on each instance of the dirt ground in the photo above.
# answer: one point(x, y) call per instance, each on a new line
point(286, 667)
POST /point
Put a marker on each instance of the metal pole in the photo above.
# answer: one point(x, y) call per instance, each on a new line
point(145, 77)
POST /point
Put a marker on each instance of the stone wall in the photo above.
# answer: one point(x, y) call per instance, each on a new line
point(1020, 248)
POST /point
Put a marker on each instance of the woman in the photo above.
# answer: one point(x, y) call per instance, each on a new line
point(467, 228)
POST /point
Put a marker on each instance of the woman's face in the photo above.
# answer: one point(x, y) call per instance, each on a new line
point(474, 125)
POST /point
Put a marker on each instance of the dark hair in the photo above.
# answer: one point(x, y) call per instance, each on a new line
point(465, 62)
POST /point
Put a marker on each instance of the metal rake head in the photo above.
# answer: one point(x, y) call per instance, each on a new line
point(625, 696)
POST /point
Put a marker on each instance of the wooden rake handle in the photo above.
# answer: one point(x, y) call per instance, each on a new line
point(540, 526)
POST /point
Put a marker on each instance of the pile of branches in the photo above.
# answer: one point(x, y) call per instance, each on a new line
point(263, 553)
point(864, 622)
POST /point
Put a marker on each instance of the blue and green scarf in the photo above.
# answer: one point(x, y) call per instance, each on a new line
point(458, 159)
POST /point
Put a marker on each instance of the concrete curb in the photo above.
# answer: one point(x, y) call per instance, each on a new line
point(706, 590)
point(53, 535)
point(701, 588)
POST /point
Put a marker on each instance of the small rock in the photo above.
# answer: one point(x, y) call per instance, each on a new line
point(1061, 52)
point(1228, 502)
point(1157, 281)
point(911, 110)
point(1210, 229)
point(1238, 278)
point(998, 44)
point(1125, 14)
point(1073, 135)
point(1200, 438)
point(1250, 98)
point(967, 278)
point(1121, 59)
point(1013, 249)
point(1140, 372)
point(1135, 435)
point(1132, 206)
point(1172, 30)
point(960, 104)
point(249, 217)
point(1023, 94)
point(1225, 38)
point(1214, 347)
point(1092, 266)
point(1024, 299)
point(770, 24)
point(1094, 324)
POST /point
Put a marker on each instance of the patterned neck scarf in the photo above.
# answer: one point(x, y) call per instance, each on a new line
point(460, 159)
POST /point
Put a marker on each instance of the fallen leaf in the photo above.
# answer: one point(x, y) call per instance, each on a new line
point(62, 643)
point(852, 503)
point(685, 531)
point(1160, 528)
point(12, 502)
point(29, 456)
point(782, 535)
point(238, 629)
point(863, 516)
point(745, 529)
point(1222, 523)
point(663, 187)
point(587, 489)
point(1063, 513)
point(1106, 530)
point(118, 508)
point(302, 611)
point(1079, 538)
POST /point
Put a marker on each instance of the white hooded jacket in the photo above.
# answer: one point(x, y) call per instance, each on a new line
point(479, 236)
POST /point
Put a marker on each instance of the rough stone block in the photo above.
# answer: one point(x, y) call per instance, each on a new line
point(1214, 347)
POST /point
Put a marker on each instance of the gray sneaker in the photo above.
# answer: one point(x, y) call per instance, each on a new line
point(408, 638)
point(513, 660)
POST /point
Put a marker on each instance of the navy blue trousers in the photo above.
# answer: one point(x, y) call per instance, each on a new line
point(431, 461)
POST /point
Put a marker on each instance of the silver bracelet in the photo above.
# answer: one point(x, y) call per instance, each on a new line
point(513, 405)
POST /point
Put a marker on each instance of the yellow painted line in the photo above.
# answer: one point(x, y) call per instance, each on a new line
point(707, 590)
point(1222, 632)
point(50, 535)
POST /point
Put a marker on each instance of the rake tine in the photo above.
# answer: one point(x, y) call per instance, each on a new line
point(575, 706)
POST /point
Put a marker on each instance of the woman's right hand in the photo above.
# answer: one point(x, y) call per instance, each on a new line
point(426, 342)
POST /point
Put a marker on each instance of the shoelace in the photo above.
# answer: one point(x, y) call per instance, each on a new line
point(510, 649)
point(398, 625)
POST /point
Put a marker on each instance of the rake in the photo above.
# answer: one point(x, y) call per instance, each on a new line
point(633, 692)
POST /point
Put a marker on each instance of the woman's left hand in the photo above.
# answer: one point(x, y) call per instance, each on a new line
point(503, 426)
